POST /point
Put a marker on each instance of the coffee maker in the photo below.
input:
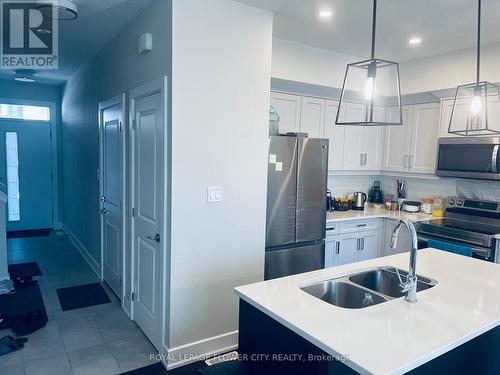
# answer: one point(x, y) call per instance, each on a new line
point(375, 195)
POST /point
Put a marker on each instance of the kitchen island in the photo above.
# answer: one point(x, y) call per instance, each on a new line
point(453, 327)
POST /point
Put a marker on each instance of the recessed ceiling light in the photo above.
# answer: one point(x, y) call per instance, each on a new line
point(326, 13)
point(24, 79)
point(414, 41)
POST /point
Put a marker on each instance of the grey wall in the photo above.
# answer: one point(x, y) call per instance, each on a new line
point(114, 70)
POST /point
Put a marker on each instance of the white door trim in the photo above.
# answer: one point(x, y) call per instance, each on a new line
point(159, 85)
point(119, 99)
point(54, 117)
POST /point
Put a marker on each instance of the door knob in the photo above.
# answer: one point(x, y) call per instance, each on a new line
point(154, 238)
point(103, 211)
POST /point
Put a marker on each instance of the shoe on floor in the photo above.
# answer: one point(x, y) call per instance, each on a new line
point(29, 323)
point(6, 348)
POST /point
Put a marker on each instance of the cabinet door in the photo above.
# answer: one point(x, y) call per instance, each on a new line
point(348, 248)
point(445, 115)
point(354, 136)
point(332, 246)
point(368, 245)
point(312, 117)
point(373, 142)
point(288, 107)
point(335, 135)
point(404, 239)
point(424, 138)
point(396, 142)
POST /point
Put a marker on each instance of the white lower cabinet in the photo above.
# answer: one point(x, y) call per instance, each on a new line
point(351, 247)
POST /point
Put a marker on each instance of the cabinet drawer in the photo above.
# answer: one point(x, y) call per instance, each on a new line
point(358, 225)
point(332, 228)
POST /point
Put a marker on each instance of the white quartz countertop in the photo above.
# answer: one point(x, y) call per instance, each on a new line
point(395, 336)
point(372, 213)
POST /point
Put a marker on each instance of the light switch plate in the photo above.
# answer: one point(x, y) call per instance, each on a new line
point(214, 194)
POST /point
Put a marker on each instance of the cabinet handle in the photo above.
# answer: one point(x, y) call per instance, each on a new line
point(361, 225)
point(337, 244)
point(410, 161)
point(405, 161)
point(362, 243)
point(366, 160)
point(361, 159)
point(357, 244)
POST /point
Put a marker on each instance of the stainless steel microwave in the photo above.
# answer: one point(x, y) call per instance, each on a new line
point(469, 157)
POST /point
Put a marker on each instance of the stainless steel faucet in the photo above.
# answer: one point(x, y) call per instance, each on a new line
point(410, 285)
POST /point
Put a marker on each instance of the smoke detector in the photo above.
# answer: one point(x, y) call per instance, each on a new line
point(65, 10)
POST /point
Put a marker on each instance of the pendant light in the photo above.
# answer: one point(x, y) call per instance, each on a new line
point(476, 104)
point(371, 94)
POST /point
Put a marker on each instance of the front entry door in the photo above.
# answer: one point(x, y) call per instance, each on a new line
point(111, 192)
point(148, 208)
point(26, 173)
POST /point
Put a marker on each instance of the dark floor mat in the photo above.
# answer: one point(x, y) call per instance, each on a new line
point(76, 297)
point(29, 233)
point(22, 301)
point(29, 269)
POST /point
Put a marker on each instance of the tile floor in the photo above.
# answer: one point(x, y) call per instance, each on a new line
point(96, 340)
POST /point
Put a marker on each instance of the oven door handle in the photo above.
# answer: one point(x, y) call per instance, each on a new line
point(485, 251)
point(494, 159)
point(456, 240)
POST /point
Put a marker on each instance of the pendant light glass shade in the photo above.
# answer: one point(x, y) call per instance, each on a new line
point(371, 93)
point(476, 108)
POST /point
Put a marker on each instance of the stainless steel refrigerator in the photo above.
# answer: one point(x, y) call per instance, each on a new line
point(296, 205)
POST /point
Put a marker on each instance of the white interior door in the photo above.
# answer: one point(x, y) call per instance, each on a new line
point(111, 118)
point(148, 174)
point(25, 149)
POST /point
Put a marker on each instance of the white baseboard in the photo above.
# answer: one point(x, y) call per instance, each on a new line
point(94, 266)
point(200, 350)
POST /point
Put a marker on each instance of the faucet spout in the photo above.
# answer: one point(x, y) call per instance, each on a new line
point(410, 286)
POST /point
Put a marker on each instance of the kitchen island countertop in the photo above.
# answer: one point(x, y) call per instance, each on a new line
point(392, 337)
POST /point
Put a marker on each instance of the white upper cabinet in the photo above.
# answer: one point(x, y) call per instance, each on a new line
point(353, 141)
point(312, 119)
point(413, 146)
point(444, 120)
point(397, 142)
point(363, 145)
point(289, 110)
point(335, 134)
point(408, 148)
point(424, 138)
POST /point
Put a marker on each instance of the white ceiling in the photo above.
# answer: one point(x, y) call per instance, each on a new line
point(79, 40)
point(443, 25)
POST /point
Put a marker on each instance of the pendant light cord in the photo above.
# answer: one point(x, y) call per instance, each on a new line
point(374, 27)
point(478, 40)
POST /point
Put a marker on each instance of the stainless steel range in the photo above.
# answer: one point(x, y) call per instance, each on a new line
point(467, 222)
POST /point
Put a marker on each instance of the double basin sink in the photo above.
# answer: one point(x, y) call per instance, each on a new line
point(365, 289)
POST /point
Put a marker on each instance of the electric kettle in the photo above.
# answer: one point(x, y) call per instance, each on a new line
point(359, 201)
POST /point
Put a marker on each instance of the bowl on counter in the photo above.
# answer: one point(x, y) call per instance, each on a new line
point(342, 205)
